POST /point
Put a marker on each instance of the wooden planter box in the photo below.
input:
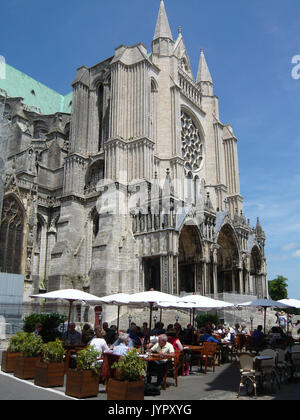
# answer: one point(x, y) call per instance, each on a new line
point(124, 390)
point(49, 374)
point(82, 383)
point(8, 361)
point(25, 367)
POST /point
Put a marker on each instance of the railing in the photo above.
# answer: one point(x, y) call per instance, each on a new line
point(190, 89)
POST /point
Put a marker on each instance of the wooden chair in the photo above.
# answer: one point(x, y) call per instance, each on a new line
point(209, 355)
point(107, 371)
point(173, 368)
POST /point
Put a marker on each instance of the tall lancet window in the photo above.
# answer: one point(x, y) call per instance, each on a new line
point(11, 236)
point(153, 109)
point(100, 115)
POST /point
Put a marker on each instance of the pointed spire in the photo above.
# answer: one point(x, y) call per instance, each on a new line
point(203, 71)
point(162, 29)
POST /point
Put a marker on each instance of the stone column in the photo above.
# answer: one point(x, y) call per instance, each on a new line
point(240, 271)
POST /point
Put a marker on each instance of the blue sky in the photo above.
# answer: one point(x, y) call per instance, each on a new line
point(248, 45)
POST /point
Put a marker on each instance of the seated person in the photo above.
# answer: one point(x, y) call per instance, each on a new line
point(98, 341)
point(72, 337)
point(145, 330)
point(244, 329)
point(162, 347)
point(188, 334)
point(229, 336)
point(134, 337)
point(86, 334)
point(111, 333)
point(123, 348)
point(237, 329)
point(205, 336)
point(158, 330)
point(38, 329)
point(118, 342)
point(172, 339)
point(258, 336)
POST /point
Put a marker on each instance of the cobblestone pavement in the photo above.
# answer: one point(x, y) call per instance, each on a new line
point(221, 385)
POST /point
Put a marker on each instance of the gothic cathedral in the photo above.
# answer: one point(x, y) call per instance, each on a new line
point(128, 183)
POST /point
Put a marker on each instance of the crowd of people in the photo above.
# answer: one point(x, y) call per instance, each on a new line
point(167, 340)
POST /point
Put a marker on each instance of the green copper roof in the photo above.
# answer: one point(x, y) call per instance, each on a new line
point(19, 85)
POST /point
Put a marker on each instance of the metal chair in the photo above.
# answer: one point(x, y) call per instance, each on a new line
point(282, 365)
point(270, 375)
point(248, 373)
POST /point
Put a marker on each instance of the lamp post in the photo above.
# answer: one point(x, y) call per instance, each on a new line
point(100, 315)
point(129, 320)
point(251, 320)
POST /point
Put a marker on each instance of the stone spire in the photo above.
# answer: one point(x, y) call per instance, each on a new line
point(204, 78)
point(162, 29)
point(203, 71)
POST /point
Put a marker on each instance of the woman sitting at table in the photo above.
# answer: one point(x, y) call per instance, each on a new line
point(229, 336)
point(98, 342)
point(174, 340)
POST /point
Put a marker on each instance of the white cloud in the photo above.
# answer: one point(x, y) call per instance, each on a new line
point(290, 246)
point(296, 254)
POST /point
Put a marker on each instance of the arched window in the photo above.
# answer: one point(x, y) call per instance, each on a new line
point(11, 236)
point(153, 109)
point(189, 189)
point(100, 114)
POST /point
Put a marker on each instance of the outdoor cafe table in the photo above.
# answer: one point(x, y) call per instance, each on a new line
point(155, 357)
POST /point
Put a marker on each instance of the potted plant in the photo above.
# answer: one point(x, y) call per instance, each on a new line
point(84, 380)
point(130, 385)
point(49, 371)
point(13, 351)
point(31, 349)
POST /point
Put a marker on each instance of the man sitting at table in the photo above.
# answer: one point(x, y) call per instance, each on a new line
point(73, 337)
point(258, 336)
point(204, 335)
point(162, 347)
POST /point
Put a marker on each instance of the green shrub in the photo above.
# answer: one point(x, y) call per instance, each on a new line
point(50, 323)
point(202, 319)
point(131, 367)
point(31, 346)
point(87, 359)
point(16, 341)
point(53, 352)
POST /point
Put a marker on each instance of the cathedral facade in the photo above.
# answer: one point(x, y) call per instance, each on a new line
point(130, 183)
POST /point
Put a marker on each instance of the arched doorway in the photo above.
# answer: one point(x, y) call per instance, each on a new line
point(228, 258)
point(189, 260)
point(11, 236)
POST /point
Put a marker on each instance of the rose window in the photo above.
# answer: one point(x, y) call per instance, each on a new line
point(192, 146)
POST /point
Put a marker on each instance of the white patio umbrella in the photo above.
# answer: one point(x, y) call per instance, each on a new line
point(197, 302)
point(118, 299)
point(295, 303)
point(71, 295)
point(265, 303)
point(150, 298)
point(204, 302)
